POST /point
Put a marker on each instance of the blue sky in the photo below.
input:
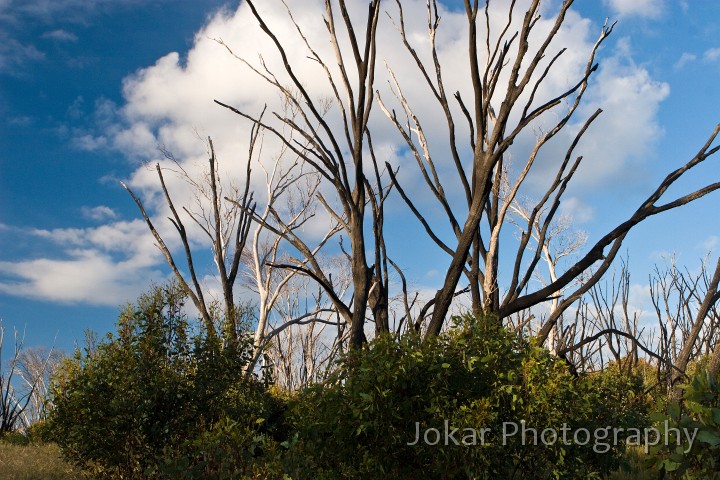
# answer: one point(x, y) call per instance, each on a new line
point(58, 60)
point(89, 88)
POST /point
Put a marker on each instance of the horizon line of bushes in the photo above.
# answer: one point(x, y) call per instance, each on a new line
point(160, 399)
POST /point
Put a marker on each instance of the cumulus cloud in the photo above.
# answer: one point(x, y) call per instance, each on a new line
point(626, 131)
point(170, 104)
point(106, 265)
point(98, 213)
point(88, 142)
point(637, 8)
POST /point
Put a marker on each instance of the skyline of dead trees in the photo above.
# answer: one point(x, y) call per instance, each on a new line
point(25, 377)
point(546, 280)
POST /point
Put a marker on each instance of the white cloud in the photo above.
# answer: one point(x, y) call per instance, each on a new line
point(637, 8)
point(60, 36)
point(710, 243)
point(169, 102)
point(711, 54)
point(432, 273)
point(624, 135)
point(577, 210)
point(22, 121)
point(14, 55)
point(98, 213)
point(685, 58)
point(106, 265)
point(89, 142)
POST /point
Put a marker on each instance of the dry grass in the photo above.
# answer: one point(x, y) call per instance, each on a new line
point(43, 462)
point(34, 462)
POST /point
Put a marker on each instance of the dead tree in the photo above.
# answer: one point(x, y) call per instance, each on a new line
point(560, 241)
point(339, 154)
point(35, 367)
point(606, 314)
point(277, 288)
point(23, 399)
point(306, 336)
point(686, 308)
point(226, 225)
point(504, 101)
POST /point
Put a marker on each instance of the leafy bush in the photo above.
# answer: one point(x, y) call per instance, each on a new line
point(478, 376)
point(146, 398)
point(698, 414)
point(157, 401)
point(39, 432)
point(15, 438)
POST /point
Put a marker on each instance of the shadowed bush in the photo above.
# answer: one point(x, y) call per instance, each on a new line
point(477, 376)
point(699, 414)
point(155, 393)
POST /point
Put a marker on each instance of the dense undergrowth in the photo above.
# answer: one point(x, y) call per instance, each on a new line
point(159, 399)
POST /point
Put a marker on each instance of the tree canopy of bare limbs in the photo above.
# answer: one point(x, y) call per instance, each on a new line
point(225, 224)
point(24, 383)
point(504, 101)
point(506, 95)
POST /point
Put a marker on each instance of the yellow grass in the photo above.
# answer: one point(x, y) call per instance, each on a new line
point(34, 462)
point(43, 462)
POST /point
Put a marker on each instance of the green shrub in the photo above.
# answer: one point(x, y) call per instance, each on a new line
point(158, 401)
point(227, 450)
point(15, 438)
point(477, 376)
point(699, 415)
point(40, 432)
point(146, 399)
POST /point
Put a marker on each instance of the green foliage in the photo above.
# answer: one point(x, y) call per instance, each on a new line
point(698, 414)
point(227, 450)
point(150, 398)
point(478, 376)
point(15, 438)
point(39, 432)
point(159, 401)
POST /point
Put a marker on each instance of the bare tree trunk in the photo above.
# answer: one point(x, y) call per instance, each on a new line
point(227, 225)
point(690, 344)
point(324, 153)
point(476, 254)
point(714, 364)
